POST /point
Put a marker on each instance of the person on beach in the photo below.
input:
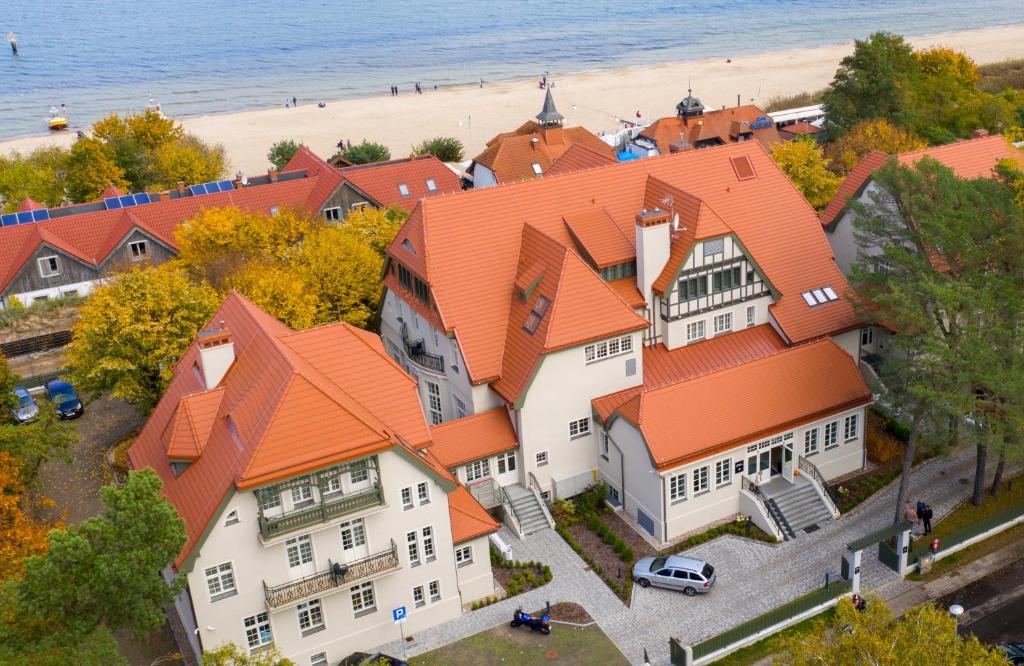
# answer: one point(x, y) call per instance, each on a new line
point(481, 83)
point(419, 89)
point(295, 102)
point(13, 39)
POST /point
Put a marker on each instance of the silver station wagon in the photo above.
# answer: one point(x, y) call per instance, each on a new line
point(675, 572)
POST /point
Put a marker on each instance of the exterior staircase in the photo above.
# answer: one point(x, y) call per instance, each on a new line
point(797, 506)
point(531, 514)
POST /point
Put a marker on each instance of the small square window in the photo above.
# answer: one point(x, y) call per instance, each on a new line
point(431, 185)
point(403, 189)
point(435, 590)
point(49, 266)
point(536, 168)
point(137, 250)
point(332, 214)
point(318, 659)
point(232, 517)
point(542, 458)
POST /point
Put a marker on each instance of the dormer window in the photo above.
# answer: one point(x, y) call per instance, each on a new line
point(49, 266)
point(403, 189)
point(540, 308)
point(431, 185)
point(536, 168)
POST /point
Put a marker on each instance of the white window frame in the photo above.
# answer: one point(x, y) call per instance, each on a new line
point(851, 427)
point(412, 542)
point(460, 407)
point(427, 542)
point(696, 330)
point(431, 185)
point(605, 349)
point(812, 443)
point(723, 472)
point(506, 462)
point(478, 469)
point(312, 614)
point(223, 578)
point(701, 480)
point(232, 518)
point(536, 169)
point(463, 556)
point(604, 444)
point(434, 588)
point(332, 214)
point(407, 498)
point(418, 598)
point(831, 435)
point(677, 488)
point(252, 626)
point(269, 500)
point(302, 494)
point(542, 458)
point(422, 493)
point(318, 659)
point(133, 252)
point(359, 471)
point(579, 428)
point(751, 316)
point(434, 400)
point(333, 485)
point(867, 336)
point(356, 531)
point(723, 323)
point(297, 542)
point(365, 596)
point(44, 269)
point(358, 205)
point(403, 189)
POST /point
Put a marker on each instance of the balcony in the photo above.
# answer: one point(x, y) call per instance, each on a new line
point(414, 349)
point(273, 526)
point(337, 575)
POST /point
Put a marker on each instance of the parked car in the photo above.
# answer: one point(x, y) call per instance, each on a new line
point(1014, 652)
point(64, 399)
point(26, 410)
point(361, 658)
point(675, 572)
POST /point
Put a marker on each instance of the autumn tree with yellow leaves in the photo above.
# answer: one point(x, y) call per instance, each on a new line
point(20, 535)
point(867, 136)
point(804, 163)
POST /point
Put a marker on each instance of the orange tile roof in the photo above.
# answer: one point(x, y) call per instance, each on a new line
point(467, 245)
point(529, 127)
point(512, 157)
point(577, 158)
point(290, 403)
point(777, 392)
point(802, 128)
point(469, 519)
point(380, 180)
point(973, 158)
point(472, 437)
point(711, 125)
point(663, 366)
point(601, 240)
point(28, 203)
point(627, 290)
point(581, 308)
point(188, 429)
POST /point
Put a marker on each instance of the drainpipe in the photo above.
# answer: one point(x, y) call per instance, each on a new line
point(664, 510)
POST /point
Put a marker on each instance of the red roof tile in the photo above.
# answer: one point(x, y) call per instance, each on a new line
point(380, 180)
point(721, 124)
point(469, 519)
point(472, 437)
point(852, 185)
point(511, 157)
point(600, 238)
point(579, 157)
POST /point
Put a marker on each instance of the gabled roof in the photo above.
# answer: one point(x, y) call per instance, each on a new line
point(469, 519)
point(381, 180)
point(777, 392)
point(802, 128)
point(717, 124)
point(580, 308)
point(511, 157)
point(577, 158)
point(291, 402)
point(472, 437)
point(600, 238)
point(973, 158)
point(28, 203)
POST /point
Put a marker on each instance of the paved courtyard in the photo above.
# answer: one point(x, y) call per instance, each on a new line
point(753, 577)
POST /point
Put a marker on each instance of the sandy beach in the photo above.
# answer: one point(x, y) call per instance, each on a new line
point(593, 99)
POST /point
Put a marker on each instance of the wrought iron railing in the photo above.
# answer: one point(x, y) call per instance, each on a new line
point(416, 351)
point(544, 502)
point(808, 468)
point(762, 501)
point(337, 575)
point(510, 511)
point(272, 526)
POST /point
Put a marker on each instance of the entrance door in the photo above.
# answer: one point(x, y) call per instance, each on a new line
point(300, 556)
point(787, 461)
point(353, 540)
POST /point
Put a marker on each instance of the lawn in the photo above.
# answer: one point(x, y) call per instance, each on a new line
point(772, 644)
point(522, 647)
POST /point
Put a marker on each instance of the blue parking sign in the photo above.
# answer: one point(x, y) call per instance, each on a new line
point(398, 614)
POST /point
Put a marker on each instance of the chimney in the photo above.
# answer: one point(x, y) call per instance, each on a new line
point(216, 354)
point(653, 242)
point(272, 175)
point(181, 187)
point(553, 135)
point(534, 141)
point(738, 100)
point(979, 133)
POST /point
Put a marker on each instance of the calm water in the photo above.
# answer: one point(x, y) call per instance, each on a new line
point(216, 56)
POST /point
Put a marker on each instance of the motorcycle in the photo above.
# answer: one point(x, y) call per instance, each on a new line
point(540, 624)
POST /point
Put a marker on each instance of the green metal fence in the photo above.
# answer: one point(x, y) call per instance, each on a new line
point(888, 556)
point(769, 619)
point(969, 532)
point(678, 654)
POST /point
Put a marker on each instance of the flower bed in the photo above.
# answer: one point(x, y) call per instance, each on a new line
point(515, 577)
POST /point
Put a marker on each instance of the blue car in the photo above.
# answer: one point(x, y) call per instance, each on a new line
point(64, 399)
point(26, 409)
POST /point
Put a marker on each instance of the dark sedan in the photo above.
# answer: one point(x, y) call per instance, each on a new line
point(64, 398)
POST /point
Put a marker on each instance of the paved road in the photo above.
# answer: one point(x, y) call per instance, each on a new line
point(994, 605)
point(753, 577)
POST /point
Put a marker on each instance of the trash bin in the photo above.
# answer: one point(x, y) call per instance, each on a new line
point(924, 563)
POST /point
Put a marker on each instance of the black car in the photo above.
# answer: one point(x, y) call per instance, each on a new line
point(361, 658)
point(64, 399)
point(1014, 652)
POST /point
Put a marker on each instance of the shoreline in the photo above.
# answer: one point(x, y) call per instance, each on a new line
point(594, 98)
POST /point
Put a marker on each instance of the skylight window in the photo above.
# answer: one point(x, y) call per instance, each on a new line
point(536, 168)
point(819, 295)
point(830, 293)
point(808, 299)
point(431, 185)
point(407, 244)
point(403, 189)
point(536, 315)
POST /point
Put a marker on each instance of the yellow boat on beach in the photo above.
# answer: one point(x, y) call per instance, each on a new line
point(58, 120)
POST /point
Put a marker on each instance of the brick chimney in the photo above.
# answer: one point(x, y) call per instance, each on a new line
point(272, 175)
point(181, 187)
point(653, 245)
point(553, 135)
point(216, 354)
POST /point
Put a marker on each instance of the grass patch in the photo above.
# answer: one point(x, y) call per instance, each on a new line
point(998, 76)
point(774, 643)
point(971, 553)
point(522, 647)
point(120, 457)
point(783, 102)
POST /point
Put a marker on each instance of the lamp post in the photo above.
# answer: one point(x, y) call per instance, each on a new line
point(956, 610)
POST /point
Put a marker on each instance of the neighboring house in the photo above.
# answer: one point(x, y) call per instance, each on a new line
point(300, 462)
point(48, 253)
point(532, 149)
point(672, 326)
point(797, 130)
point(400, 183)
point(694, 127)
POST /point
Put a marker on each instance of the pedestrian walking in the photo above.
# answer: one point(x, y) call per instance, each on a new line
point(926, 518)
point(910, 515)
point(419, 89)
point(481, 82)
point(13, 39)
point(295, 102)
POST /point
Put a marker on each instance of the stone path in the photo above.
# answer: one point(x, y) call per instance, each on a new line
point(753, 577)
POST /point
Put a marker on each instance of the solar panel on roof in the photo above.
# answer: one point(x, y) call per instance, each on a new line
point(112, 203)
point(40, 215)
point(9, 220)
point(126, 201)
point(197, 190)
point(25, 217)
point(226, 185)
point(142, 198)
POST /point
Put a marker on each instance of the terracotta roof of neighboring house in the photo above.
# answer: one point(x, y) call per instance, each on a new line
point(973, 158)
point(291, 402)
point(663, 366)
point(469, 247)
point(111, 191)
point(472, 437)
point(577, 158)
point(777, 392)
point(469, 519)
point(529, 127)
point(627, 290)
point(512, 157)
point(381, 181)
point(90, 232)
point(802, 128)
point(28, 203)
point(722, 124)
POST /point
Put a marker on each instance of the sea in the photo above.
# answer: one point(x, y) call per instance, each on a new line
point(197, 57)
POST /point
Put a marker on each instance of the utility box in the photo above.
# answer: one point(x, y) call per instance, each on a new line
point(924, 563)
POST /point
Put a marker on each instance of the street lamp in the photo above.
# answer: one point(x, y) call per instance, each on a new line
point(956, 610)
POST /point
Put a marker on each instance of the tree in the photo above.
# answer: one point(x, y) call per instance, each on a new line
point(188, 160)
point(132, 330)
point(20, 536)
point(366, 152)
point(91, 169)
point(282, 152)
point(343, 272)
point(104, 572)
point(279, 290)
point(230, 654)
point(1010, 173)
point(873, 82)
point(8, 381)
point(38, 175)
point(866, 136)
point(444, 148)
point(35, 443)
point(803, 162)
point(925, 636)
point(375, 226)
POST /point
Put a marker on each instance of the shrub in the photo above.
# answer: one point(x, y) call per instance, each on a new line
point(366, 152)
point(444, 148)
point(281, 152)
